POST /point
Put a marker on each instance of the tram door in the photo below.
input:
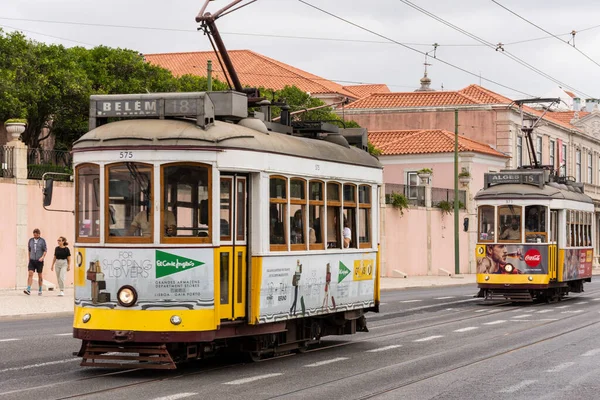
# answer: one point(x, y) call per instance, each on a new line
point(553, 245)
point(232, 253)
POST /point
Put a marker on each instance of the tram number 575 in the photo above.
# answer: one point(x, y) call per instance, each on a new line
point(125, 154)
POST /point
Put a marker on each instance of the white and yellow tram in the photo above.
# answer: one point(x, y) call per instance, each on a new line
point(535, 235)
point(200, 228)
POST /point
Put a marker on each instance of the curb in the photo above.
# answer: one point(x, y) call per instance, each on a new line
point(36, 315)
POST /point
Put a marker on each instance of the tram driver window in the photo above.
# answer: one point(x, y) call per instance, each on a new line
point(185, 211)
point(129, 212)
point(277, 213)
point(486, 223)
point(509, 221)
point(535, 224)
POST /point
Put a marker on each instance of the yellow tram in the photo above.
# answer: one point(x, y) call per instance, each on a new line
point(199, 228)
point(535, 235)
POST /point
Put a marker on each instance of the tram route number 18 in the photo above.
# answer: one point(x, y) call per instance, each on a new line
point(125, 154)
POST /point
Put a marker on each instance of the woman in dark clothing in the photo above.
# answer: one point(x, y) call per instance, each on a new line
point(62, 261)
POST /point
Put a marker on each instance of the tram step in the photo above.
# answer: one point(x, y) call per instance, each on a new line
point(117, 356)
point(514, 295)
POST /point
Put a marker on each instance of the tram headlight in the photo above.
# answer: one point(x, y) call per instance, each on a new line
point(509, 268)
point(530, 278)
point(175, 319)
point(127, 296)
point(86, 318)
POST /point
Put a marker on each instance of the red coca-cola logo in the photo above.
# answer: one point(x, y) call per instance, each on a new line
point(533, 258)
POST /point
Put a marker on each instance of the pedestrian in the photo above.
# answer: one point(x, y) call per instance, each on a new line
point(37, 252)
point(62, 261)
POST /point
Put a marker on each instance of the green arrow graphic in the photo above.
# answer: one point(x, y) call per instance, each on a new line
point(343, 272)
point(168, 264)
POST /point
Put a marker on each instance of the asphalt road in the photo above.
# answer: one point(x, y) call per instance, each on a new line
point(437, 343)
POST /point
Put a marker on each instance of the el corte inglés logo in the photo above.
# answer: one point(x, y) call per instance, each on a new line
point(169, 264)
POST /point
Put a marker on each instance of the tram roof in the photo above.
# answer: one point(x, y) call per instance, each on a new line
point(549, 191)
point(157, 134)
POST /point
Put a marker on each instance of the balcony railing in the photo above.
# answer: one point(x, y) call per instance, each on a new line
point(416, 194)
point(438, 195)
point(7, 162)
point(41, 161)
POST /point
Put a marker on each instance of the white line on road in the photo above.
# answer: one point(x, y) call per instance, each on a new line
point(318, 364)
point(534, 320)
point(581, 302)
point(251, 379)
point(558, 308)
point(444, 298)
point(543, 311)
point(176, 396)
point(9, 340)
point(40, 365)
point(518, 386)
point(393, 346)
point(591, 353)
point(410, 301)
point(482, 310)
point(571, 312)
point(522, 316)
point(500, 321)
point(428, 338)
point(560, 367)
point(470, 328)
point(597, 299)
point(64, 334)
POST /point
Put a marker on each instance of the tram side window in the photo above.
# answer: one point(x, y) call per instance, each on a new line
point(225, 209)
point(509, 221)
point(570, 232)
point(298, 230)
point(88, 202)
point(486, 223)
point(316, 213)
point(277, 213)
point(535, 224)
point(364, 216)
point(349, 228)
point(185, 208)
point(334, 226)
point(129, 211)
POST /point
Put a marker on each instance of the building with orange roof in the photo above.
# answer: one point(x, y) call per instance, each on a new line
point(257, 70)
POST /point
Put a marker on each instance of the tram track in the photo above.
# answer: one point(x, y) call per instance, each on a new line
point(436, 374)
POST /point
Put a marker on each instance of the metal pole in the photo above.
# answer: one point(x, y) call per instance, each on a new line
point(209, 76)
point(456, 249)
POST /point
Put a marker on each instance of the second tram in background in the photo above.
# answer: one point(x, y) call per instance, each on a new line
point(534, 236)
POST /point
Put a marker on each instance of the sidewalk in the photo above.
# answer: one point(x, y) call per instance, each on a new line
point(16, 304)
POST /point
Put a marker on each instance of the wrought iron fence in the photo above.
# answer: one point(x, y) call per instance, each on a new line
point(438, 195)
point(41, 161)
point(7, 162)
point(414, 194)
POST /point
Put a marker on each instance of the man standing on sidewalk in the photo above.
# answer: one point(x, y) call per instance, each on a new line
point(37, 252)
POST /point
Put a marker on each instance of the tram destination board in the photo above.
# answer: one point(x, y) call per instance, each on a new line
point(529, 178)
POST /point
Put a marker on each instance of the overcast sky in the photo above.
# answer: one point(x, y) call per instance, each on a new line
point(352, 55)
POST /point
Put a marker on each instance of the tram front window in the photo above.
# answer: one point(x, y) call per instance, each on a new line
point(509, 220)
point(129, 192)
point(486, 223)
point(535, 224)
point(185, 201)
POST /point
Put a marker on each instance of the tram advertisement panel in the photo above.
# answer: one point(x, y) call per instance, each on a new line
point(159, 277)
point(297, 286)
point(501, 258)
point(577, 264)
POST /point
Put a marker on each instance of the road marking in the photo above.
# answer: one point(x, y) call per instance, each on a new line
point(560, 367)
point(591, 353)
point(9, 340)
point(445, 298)
point(597, 299)
point(543, 311)
point(410, 301)
point(518, 386)
point(522, 316)
point(581, 302)
point(534, 320)
point(251, 379)
point(176, 396)
point(561, 307)
point(393, 346)
point(470, 328)
point(571, 312)
point(482, 310)
point(64, 334)
point(428, 338)
point(318, 364)
point(500, 321)
point(383, 304)
point(40, 365)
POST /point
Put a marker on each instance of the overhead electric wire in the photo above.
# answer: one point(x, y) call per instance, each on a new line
point(542, 29)
point(413, 49)
point(493, 46)
point(45, 34)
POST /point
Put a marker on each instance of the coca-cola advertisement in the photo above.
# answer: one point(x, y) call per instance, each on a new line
point(577, 264)
point(503, 258)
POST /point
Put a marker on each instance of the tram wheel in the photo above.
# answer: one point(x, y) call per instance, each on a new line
point(254, 356)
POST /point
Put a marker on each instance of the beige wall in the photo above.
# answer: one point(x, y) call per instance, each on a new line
point(13, 272)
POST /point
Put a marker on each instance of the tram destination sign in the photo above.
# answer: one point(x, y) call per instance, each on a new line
point(528, 178)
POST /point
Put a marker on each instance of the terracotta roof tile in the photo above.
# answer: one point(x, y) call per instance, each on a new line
point(253, 69)
point(425, 141)
point(567, 116)
point(411, 99)
point(365, 90)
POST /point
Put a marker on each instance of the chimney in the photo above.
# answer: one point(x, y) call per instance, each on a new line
point(576, 103)
point(589, 105)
